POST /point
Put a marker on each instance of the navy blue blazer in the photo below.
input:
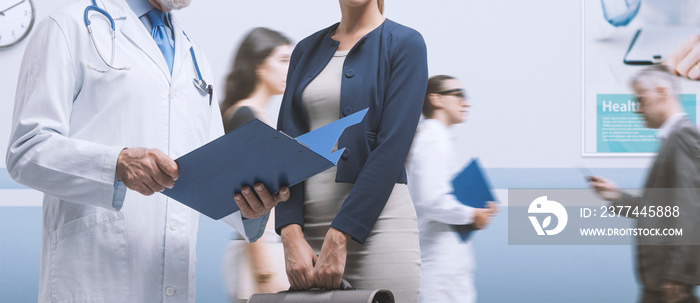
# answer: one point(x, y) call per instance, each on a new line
point(387, 71)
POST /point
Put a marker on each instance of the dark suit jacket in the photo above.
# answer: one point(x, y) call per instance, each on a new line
point(674, 180)
point(387, 71)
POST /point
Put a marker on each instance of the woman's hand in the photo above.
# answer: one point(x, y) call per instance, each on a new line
point(331, 263)
point(299, 258)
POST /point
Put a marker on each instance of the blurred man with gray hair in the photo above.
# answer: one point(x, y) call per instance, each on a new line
point(667, 266)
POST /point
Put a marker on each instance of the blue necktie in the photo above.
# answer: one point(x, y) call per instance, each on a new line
point(160, 35)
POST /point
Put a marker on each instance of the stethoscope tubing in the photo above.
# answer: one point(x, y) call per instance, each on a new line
point(86, 19)
point(198, 82)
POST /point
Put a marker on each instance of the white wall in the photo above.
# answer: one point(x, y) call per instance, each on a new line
point(519, 60)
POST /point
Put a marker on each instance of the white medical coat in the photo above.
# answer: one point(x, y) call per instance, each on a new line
point(448, 263)
point(69, 125)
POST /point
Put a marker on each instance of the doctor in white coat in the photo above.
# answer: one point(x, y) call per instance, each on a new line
point(448, 263)
point(83, 136)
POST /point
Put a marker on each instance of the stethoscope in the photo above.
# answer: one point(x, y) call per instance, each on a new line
point(198, 82)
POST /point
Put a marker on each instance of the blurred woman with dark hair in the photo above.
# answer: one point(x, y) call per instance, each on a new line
point(258, 74)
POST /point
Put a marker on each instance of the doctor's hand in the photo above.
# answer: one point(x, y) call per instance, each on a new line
point(606, 189)
point(255, 204)
point(685, 60)
point(299, 258)
point(331, 262)
point(146, 171)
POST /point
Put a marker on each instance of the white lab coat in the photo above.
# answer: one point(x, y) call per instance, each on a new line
point(448, 263)
point(69, 125)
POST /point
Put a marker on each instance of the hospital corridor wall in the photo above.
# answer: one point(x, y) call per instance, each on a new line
point(520, 61)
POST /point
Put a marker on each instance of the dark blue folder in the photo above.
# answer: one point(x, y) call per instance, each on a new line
point(254, 152)
point(472, 189)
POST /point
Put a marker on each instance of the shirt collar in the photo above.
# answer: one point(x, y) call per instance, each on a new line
point(140, 7)
point(668, 125)
point(438, 126)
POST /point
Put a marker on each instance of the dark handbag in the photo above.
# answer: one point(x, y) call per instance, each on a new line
point(346, 294)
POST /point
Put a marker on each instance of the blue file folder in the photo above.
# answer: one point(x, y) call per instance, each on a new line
point(254, 152)
point(472, 189)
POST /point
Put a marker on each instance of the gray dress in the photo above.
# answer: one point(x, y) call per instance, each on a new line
point(390, 257)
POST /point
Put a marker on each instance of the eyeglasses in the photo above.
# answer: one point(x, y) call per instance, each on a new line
point(457, 92)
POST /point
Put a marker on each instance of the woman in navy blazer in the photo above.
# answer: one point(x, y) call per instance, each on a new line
point(385, 70)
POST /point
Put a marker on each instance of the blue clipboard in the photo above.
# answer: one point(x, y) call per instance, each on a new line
point(471, 188)
point(254, 152)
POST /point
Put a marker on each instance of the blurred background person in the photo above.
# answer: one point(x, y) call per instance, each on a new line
point(258, 74)
point(667, 267)
point(685, 60)
point(447, 272)
point(358, 216)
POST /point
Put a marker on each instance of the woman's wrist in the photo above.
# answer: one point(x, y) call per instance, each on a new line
point(291, 231)
point(337, 236)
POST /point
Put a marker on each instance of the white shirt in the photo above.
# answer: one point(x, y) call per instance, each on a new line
point(448, 263)
point(70, 124)
point(668, 125)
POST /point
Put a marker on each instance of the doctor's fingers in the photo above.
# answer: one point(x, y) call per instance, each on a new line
point(269, 201)
point(156, 179)
point(153, 184)
point(689, 61)
point(681, 52)
point(246, 210)
point(266, 199)
point(167, 165)
point(253, 200)
point(142, 181)
point(141, 188)
point(282, 195)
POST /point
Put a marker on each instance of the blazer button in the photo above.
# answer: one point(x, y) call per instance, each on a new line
point(349, 73)
point(347, 111)
point(345, 155)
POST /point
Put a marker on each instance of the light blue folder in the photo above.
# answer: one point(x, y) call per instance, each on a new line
point(254, 152)
point(471, 188)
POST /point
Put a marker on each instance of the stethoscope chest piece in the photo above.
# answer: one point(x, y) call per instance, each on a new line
point(204, 87)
